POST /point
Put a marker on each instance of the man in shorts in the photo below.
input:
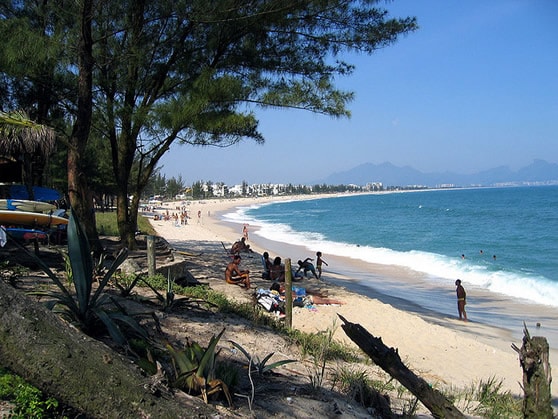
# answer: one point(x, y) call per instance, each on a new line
point(233, 274)
point(461, 300)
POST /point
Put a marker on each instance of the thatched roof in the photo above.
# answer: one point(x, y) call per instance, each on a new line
point(18, 134)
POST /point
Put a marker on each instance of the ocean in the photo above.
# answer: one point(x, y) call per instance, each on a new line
point(501, 242)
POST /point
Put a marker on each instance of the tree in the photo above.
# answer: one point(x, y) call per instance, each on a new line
point(81, 198)
point(32, 55)
point(76, 369)
point(197, 190)
point(192, 71)
point(175, 186)
point(179, 71)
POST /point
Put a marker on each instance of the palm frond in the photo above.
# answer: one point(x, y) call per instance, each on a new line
point(19, 134)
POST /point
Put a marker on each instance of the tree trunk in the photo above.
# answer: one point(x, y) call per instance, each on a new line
point(123, 215)
point(388, 359)
point(81, 199)
point(534, 359)
point(77, 370)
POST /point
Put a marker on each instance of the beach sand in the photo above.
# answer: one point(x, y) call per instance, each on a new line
point(443, 350)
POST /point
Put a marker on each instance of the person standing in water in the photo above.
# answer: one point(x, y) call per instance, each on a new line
point(461, 300)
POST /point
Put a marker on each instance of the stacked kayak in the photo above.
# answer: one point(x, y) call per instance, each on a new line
point(30, 219)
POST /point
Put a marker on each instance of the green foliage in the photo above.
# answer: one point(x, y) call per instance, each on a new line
point(261, 366)
point(167, 300)
point(195, 369)
point(321, 345)
point(147, 354)
point(491, 402)
point(320, 356)
point(107, 224)
point(212, 298)
point(29, 401)
point(125, 282)
point(356, 385)
point(199, 70)
point(88, 309)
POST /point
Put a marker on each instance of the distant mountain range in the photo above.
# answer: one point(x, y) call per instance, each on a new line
point(538, 172)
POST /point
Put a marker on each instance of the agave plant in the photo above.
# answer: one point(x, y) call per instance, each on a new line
point(85, 308)
point(168, 300)
point(195, 369)
point(260, 366)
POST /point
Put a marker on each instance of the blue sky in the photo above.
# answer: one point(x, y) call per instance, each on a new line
point(474, 88)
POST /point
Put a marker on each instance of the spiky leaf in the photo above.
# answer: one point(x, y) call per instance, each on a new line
point(81, 262)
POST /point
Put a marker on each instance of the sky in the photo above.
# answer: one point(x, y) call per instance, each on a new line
point(474, 88)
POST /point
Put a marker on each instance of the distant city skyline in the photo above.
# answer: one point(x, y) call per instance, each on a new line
point(473, 89)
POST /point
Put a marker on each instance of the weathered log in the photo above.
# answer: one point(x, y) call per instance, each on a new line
point(534, 360)
point(388, 359)
point(77, 370)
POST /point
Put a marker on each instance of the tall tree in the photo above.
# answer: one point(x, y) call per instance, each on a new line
point(181, 70)
point(192, 71)
point(32, 53)
point(81, 198)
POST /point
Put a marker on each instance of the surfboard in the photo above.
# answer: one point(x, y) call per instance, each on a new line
point(26, 218)
point(25, 205)
point(41, 193)
point(26, 233)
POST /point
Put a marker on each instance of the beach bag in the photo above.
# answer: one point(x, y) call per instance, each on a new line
point(299, 302)
point(270, 303)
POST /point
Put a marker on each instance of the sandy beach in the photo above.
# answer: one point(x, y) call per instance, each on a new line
point(443, 350)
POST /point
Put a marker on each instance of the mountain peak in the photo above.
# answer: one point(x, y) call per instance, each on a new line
point(391, 175)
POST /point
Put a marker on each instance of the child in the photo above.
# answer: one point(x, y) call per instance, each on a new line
point(319, 262)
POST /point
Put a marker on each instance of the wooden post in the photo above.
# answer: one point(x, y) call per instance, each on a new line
point(534, 359)
point(288, 294)
point(151, 265)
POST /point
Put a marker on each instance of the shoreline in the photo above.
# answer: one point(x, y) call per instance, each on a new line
point(440, 348)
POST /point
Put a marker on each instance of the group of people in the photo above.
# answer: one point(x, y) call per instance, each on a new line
point(273, 270)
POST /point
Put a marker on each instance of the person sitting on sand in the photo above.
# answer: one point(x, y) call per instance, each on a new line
point(267, 264)
point(233, 275)
point(277, 270)
point(240, 246)
point(306, 266)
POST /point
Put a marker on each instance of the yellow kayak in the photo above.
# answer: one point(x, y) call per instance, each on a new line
point(26, 218)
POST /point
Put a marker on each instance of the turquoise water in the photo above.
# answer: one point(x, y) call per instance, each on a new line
point(427, 232)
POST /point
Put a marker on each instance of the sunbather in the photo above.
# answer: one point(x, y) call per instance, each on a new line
point(233, 275)
point(277, 271)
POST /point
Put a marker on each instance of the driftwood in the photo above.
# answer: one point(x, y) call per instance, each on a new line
point(388, 359)
point(534, 359)
point(77, 370)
